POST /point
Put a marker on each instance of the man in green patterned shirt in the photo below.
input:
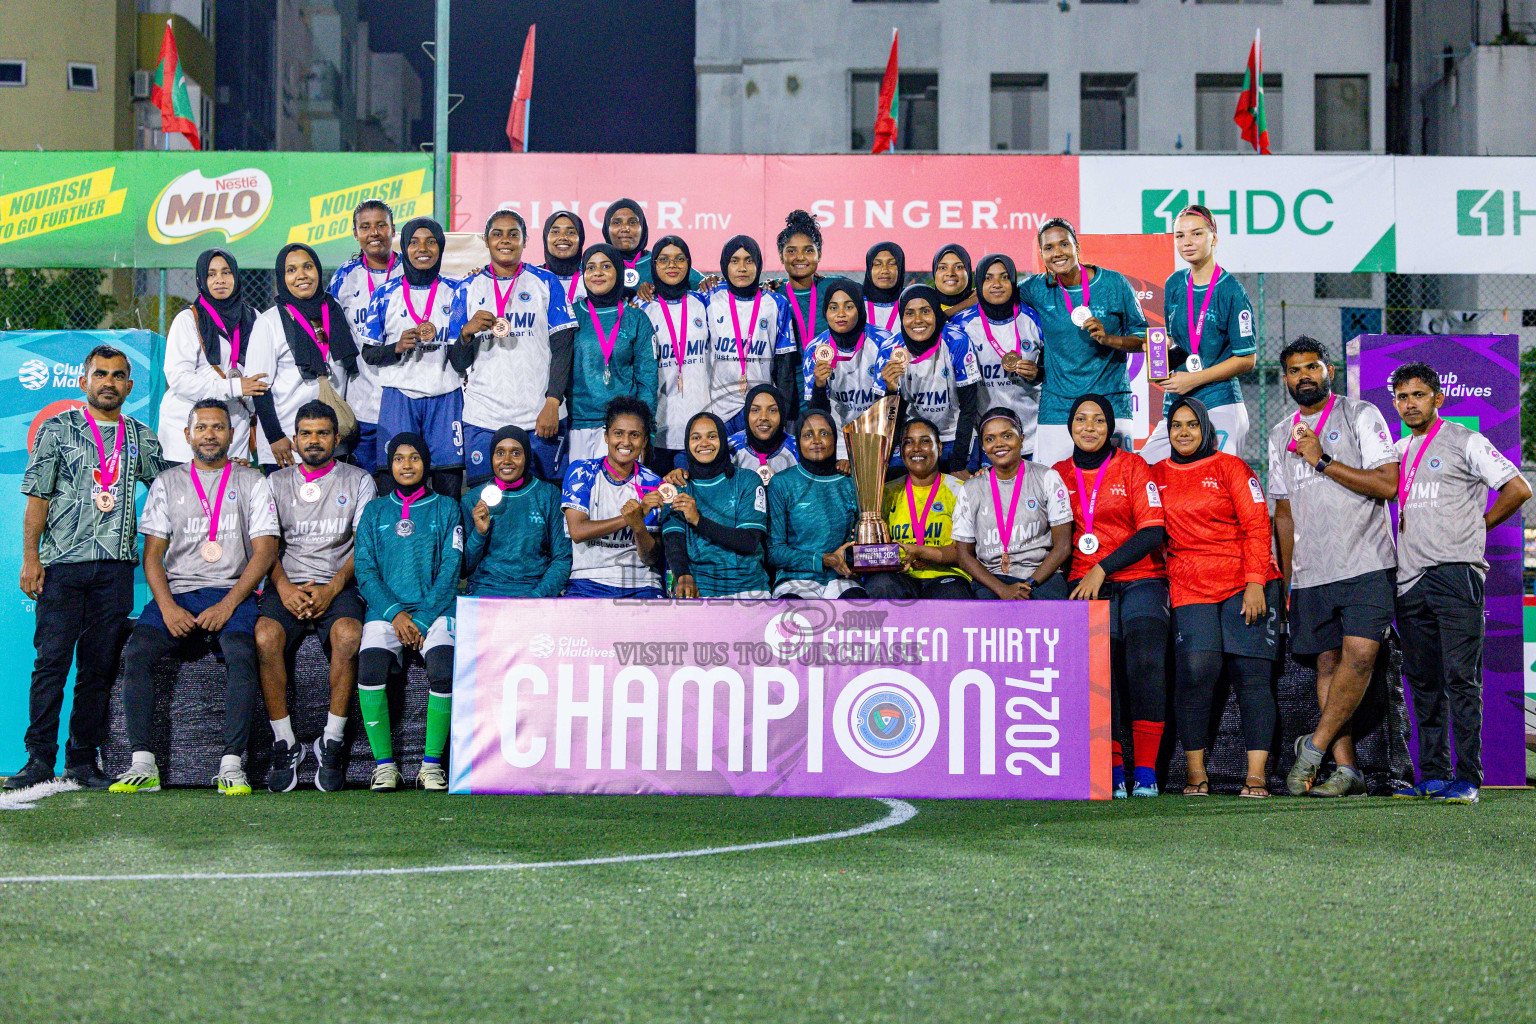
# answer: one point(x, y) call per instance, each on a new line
point(79, 548)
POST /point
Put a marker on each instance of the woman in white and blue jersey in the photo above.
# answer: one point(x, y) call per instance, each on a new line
point(765, 445)
point(885, 273)
point(353, 286)
point(1005, 338)
point(939, 379)
point(846, 369)
point(751, 338)
point(681, 322)
point(565, 239)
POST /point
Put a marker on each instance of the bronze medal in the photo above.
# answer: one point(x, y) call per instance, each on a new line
point(426, 331)
point(310, 492)
point(502, 327)
point(765, 474)
point(104, 501)
point(212, 551)
point(1012, 362)
point(668, 493)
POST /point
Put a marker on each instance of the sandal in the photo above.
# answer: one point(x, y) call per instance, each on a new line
point(1252, 792)
point(1201, 788)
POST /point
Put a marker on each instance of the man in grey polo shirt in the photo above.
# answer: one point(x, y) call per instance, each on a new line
point(1332, 470)
point(311, 590)
point(210, 534)
point(1442, 536)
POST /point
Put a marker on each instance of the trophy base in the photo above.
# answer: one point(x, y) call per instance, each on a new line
point(875, 558)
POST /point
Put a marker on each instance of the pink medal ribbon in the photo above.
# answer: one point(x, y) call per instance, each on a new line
point(634, 477)
point(805, 323)
point(679, 344)
point(986, 326)
point(1197, 327)
point(234, 339)
point(218, 501)
point(514, 485)
point(502, 300)
point(1091, 503)
point(1068, 296)
point(741, 347)
point(106, 476)
point(606, 342)
point(406, 499)
point(325, 325)
point(304, 471)
point(920, 524)
point(1410, 472)
point(367, 270)
point(570, 292)
point(1296, 422)
point(890, 321)
point(1004, 526)
point(431, 296)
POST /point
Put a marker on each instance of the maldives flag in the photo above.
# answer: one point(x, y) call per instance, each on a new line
point(885, 116)
point(1250, 105)
point(169, 92)
point(522, 98)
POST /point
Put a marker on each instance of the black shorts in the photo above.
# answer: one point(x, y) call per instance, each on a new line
point(1138, 599)
point(1219, 626)
point(348, 605)
point(1322, 616)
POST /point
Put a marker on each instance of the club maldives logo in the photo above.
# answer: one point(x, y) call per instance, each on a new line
point(193, 205)
point(33, 374)
point(1255, 211)
point(1481, 212)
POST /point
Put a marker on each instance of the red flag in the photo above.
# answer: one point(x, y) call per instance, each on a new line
point(885, 115)
point(522, 96)
point(1250, 117)
point(169, 92)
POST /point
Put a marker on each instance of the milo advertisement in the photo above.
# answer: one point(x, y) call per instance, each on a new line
point(152, 209)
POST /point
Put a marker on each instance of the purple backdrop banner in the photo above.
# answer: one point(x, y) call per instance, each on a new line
point(1480, 374)
point(933, 699)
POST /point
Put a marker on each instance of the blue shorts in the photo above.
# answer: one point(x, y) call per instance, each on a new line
point(366, 452)
point(587, 588)
point(548, 455)
point(437, 419)
point(199, 601)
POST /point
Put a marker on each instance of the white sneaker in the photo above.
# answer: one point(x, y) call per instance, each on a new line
point(432, 776)
point(386, 778)
point(232, 782)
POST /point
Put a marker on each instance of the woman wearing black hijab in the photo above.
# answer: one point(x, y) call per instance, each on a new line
point(515, 532)
point(841, 368)
point(615, 352)
point(1118, 529)
point(885, 272)
point(938, 378)
point(565, 239)
point(713, 530)
point(811, 514)
point(1005, 337)
point(205, 353)
point(1225, 590)
point(304, 339)
point(681, 325)
point(750, 334)
point(953, 277)
point(421, 391)
point(625, 229)
point(764, 445)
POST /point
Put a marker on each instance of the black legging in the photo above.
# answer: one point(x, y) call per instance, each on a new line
point(1138, 669)
point(375, 665)
point(1198, 673)
point(148, 644)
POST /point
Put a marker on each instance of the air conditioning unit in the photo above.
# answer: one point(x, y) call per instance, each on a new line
point(143, 81)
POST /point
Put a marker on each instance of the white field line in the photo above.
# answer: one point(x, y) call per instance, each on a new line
point(899, 812)
point(23, 799)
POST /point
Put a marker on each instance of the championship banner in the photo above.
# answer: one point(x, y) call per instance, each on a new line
point(991, 203)
point(933, 699)
point(1275, 214)
point(1466, 214)
point(1481, 379)
point(153, 209)
point(39, 378)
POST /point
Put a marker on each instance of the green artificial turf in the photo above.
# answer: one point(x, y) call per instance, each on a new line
point(1173, 909)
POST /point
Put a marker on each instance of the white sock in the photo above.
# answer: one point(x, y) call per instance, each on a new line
point(143, 759)
point(282, 728)
point(335, 727)
point(230, 763)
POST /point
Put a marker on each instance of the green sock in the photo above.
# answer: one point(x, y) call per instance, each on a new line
point(374, 706)
point(439, 714)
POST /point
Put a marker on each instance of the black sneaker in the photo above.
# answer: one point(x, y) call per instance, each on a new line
point(37, 771)
point(331, 776)
point(284, 773)
point(87, 775)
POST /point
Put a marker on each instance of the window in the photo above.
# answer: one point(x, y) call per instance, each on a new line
point(1019, 118)
point(1215, 103)
point(13, 73)
point(1341, 286)
point(82, 77)
point(1108, 104)
point(1343, 113)
point(917, 111)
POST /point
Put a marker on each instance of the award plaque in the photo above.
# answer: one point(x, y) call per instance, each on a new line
point(1157, 354)
point(869, 438)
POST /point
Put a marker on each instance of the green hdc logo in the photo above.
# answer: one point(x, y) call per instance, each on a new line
point(1481, 211)
point(1255, 211)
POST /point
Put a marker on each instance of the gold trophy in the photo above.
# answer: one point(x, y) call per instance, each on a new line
point(869, 438)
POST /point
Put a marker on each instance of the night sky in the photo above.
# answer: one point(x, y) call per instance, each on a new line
point(608, 77)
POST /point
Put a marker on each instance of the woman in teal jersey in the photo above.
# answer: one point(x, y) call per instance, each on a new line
point(516, 545)
point(1208, 316)
point(715, 527)
point(800, 252)
point(1092, 321)
point(811, 513)
point(615, 351)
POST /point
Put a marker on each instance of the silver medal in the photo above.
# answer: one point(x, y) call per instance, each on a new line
point(1193, 364)
point(607, 377)
point(310, 492)
point(491, 495)
point(1088, 543)
point(404, 528)
point(1081, 315)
